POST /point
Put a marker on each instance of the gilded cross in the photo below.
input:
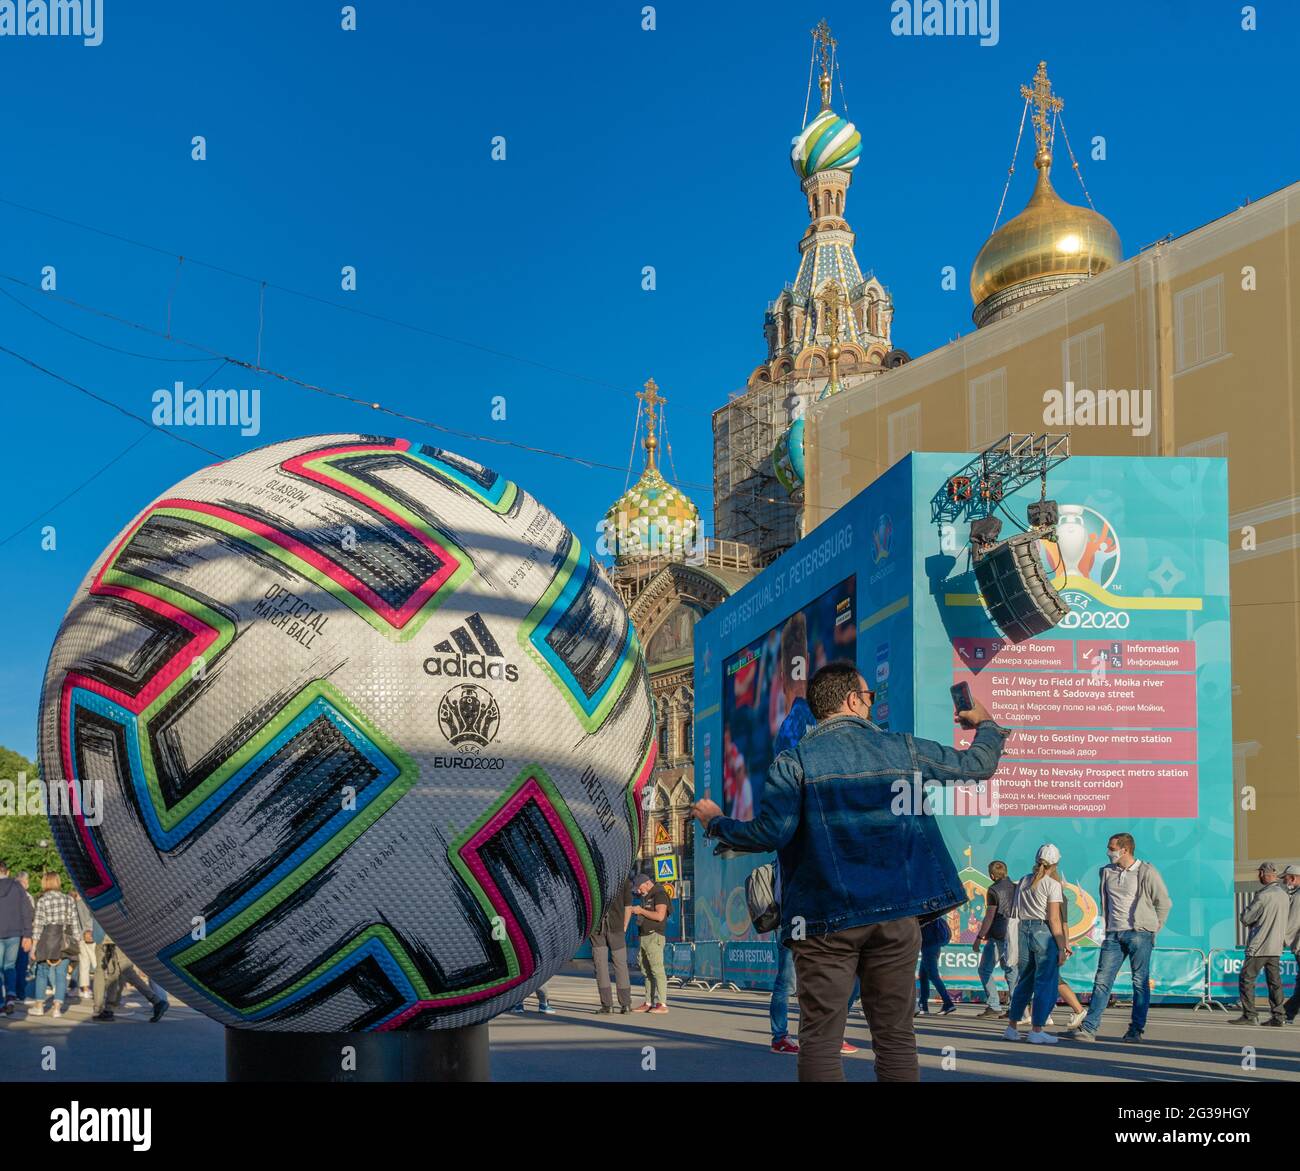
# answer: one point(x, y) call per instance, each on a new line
point(1046, 104)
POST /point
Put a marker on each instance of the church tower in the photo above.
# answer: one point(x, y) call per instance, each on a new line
point(828, 331)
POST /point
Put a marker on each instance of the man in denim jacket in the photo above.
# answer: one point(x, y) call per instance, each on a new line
point(861, 859)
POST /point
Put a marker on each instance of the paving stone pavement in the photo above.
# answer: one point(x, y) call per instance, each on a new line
point(707, 1036)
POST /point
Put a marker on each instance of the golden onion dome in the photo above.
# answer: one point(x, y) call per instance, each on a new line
point(1049, 238)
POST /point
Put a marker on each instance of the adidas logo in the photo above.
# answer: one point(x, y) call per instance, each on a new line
point(461, 657)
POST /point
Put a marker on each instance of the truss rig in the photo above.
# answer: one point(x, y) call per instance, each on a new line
point(975, 491)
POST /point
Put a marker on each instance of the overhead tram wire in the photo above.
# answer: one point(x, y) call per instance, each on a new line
point(110, 403)
point(139, 439)
point(243, 276)
point(318, 389)
point(95, 341)
point(264, 284)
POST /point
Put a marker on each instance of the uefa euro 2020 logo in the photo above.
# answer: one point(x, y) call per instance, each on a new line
point(1086, 546)
point(469, 717)
point(882, 538)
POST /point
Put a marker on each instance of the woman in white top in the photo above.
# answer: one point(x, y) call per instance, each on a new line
point(1040, 911)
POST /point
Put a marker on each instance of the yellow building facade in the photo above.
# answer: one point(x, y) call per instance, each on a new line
point(1204, 330)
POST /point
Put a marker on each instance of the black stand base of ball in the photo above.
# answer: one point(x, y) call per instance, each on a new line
point(433, 1055)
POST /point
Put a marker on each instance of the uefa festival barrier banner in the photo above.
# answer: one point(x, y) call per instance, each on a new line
point(1120, 715)
point(749, 965)
point(1225, 975)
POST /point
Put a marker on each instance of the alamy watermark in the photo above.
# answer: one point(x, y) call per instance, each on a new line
point(946, 18)
point(1080, 407)
point(955, 798)
point(182, 406)
point(53, 18)
point(54, 798)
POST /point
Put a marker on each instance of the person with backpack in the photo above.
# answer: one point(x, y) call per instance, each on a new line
point(934, 935)
point(993, 938)
point(847, 911)
point(1039, 909)
point(57, 934)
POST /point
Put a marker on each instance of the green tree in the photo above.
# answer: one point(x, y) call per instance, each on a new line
point(26, 840)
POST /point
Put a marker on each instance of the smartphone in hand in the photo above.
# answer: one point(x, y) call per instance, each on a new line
point(961, 697)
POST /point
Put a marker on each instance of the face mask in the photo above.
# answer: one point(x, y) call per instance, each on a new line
point(1113, 855)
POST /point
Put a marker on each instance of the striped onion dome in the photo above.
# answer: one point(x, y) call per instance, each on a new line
point(827, 143)
point(788, 459)
point(651, 519)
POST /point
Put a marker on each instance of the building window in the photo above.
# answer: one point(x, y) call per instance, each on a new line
point(1083, 359)
point(988, 408)
point(904, 432)
point(1210, 447)
point(1198, 323)
point(663, 740)
point(688, 737)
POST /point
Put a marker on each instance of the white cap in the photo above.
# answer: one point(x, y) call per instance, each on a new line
point(1048, 854)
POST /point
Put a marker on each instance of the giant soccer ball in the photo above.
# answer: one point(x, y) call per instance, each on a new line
point(370, 727)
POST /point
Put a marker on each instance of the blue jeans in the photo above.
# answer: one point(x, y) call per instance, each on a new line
point(8, 960)
point(1135, 946)
point(55, 976)
point(1037, 973)
point(930, 975)
point(779, 1009)
point(995, 950)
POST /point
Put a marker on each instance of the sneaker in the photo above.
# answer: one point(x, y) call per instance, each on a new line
point(1077, 1018)
point(1047, 1022)
point(643, 1007)
point(59, 1010)
point(846, 1049)
point(785, 1045)
point(1243, 1020)
point(1013, 1034)
point(1041, 1038)
point(518, 1009)
point(9, 1007)
point(606, 1010)
point(624, 1009)
point(1132, 1034)
point(102, 1016)
point(1081, 1034)
point(659, 1009)
point(546, 1007)
point(1274, 1023)
point(990, 1014)
point(158, 1009)
point(37, 1010)
point(952, 1008)
point(921, 1012)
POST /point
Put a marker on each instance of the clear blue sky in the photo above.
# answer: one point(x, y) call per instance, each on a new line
point(624, 148)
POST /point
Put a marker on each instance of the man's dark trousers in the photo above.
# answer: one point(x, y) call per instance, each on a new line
point(881, 955)
point(601, 951)
point(1251, 967)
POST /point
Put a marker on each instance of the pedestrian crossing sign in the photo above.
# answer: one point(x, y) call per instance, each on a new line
point(666, 869)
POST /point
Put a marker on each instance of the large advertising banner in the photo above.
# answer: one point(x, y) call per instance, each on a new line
point(1120, 715)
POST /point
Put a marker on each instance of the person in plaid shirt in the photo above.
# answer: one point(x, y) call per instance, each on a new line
point(54, 911)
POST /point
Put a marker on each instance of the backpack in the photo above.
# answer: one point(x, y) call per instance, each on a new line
point(760, 894)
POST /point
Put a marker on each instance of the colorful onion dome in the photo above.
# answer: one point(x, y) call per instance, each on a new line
point(828, 143)
point(787, 458)
point(651, 519)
